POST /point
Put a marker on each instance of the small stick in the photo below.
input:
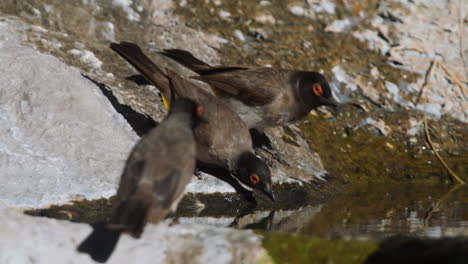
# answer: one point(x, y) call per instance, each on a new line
point(426, 130)
point(429, 141)
point(427, 79)
point(437, 204)
point(455, 79)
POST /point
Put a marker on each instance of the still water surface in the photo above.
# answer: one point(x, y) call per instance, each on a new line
point(365, 213)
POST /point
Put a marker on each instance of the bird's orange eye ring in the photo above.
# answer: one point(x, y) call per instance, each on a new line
point(317, 88)
point(254, 178)
point(199, 111)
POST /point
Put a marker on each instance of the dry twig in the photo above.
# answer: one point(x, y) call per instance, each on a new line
point(426, 130)
point(427, 79)
point(454, 78)
point(436, 206)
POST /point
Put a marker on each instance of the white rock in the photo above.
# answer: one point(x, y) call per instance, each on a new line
point(338, 26)
point(224, 14)
point(341, 76)
point(379, 124)
point(414, 127)
point(374, 41)
point(108, 31)
point(222, 40)
point(265, 18)
point(394, 90)
point(430, 30)
point(239, 35)
point(26, 239)
point(297, 10)
point(432, 109)
point(87, 57)
point(60, 136)
point(321, 6)
point(375, 72)
point(126, 6)
point(208, 184)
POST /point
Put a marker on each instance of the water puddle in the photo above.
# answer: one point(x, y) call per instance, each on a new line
point(365, 213)
point(370, 212)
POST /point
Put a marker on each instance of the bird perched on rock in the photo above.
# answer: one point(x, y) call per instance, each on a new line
point(261, 96)
point(158, 169)
point(224, 141)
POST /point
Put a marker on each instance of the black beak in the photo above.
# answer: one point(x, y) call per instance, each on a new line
point(330, 102)
point(270, 194)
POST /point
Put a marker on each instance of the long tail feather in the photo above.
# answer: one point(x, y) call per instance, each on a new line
point(133, 54)
point(186, 59)
point(129, 217)
point(100, 243)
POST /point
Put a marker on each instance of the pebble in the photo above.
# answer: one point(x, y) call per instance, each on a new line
point(239, 35)
point(224, 14)
point(338, 26)
point(297, 10)
point(265, 18)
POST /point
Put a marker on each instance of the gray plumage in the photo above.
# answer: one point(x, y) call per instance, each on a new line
point(153, 181)
point(224, 139)
point(261, 96)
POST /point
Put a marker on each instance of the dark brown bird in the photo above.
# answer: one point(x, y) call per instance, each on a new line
point(262, 97)
point(224, 141)
point(158, 169)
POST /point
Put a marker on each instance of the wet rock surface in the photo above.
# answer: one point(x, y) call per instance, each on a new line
point(377, 54)
point(175, 244)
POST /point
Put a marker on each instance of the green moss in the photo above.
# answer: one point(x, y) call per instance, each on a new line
point(78, 211)
point(355, 153)
point(365, 204)
point(284, 248)
point(349, 151)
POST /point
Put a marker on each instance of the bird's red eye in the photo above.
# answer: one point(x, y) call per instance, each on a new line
point(317, 88)
point(254, 178)
point(199, 110)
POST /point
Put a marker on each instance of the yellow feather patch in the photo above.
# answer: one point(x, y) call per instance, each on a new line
point(215, 92)
point(165, 102)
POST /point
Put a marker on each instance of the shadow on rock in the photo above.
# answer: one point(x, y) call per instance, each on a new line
point(140, 123)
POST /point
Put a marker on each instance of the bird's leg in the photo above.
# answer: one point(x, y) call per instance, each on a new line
point(243, 212)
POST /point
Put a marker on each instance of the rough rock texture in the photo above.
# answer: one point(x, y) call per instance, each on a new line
point(292, 159)
point(67, 142)
point(62, 139)
point(418, 33)
point(376, 53)
point(89, 29)
point(26, 239)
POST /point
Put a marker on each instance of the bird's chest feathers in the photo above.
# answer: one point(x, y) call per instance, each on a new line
point(250, 115)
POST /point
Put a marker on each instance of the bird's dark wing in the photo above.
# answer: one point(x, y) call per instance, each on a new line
point(254, 87)
point(131, 175)
point(183, 88)
point(189, 61)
